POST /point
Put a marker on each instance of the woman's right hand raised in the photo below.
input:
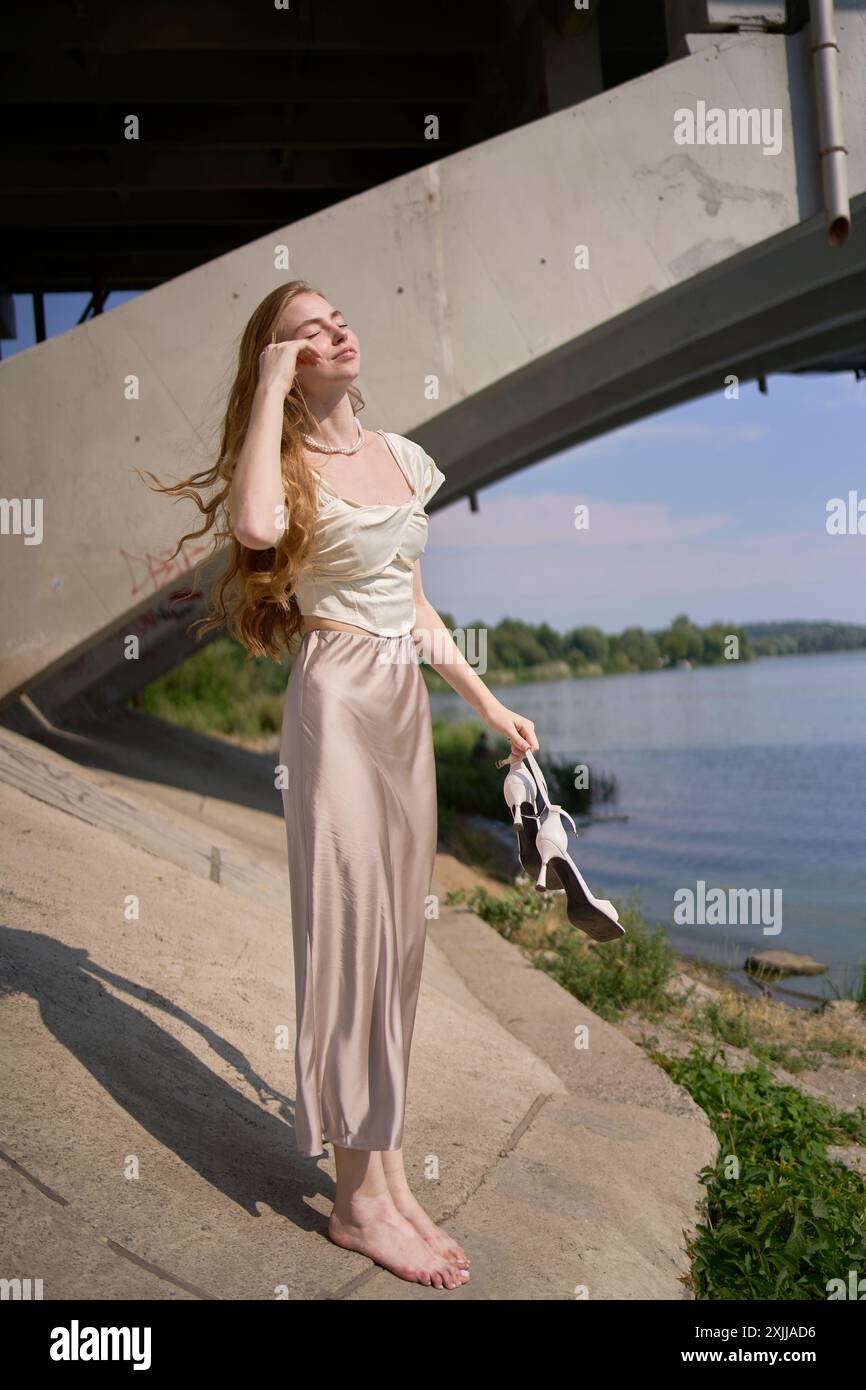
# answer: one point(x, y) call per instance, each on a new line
point(278, 363)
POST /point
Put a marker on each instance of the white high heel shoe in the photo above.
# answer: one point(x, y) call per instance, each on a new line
point(596, 916)
point(520, 794)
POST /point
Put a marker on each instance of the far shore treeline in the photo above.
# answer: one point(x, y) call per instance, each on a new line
point(513, 645)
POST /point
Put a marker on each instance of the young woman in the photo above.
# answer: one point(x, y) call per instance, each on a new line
point(326, 523)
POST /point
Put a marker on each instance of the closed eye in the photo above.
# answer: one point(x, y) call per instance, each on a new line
point(318, 330)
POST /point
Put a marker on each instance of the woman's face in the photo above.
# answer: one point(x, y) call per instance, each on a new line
point(311, 318)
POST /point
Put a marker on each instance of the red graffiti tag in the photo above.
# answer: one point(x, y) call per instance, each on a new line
point(155, 571)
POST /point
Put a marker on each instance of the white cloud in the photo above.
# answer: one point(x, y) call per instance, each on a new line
point(689, 430)
point(686, 432)
point(545, 521)
point(638, 564)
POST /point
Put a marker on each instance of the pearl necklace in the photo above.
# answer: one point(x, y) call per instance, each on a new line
point(335, 449)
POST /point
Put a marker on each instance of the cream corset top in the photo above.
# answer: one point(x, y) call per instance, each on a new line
point(362, 569)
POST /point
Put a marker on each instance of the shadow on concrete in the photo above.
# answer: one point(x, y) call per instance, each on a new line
point(132, 743)
point(235, 1143)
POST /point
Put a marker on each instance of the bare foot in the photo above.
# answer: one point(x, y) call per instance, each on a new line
point(411, 1210)
point(374, 1227)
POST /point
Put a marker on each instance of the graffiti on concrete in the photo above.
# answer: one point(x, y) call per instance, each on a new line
point(153, 571)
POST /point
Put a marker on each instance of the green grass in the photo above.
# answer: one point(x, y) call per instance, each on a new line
point(734, 1028)
point(613, 976)
point(221, 690)
point(609, 977)
point(780, 1219)
point(509, 912)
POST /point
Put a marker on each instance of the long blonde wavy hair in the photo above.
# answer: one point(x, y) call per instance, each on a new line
point(254, 594)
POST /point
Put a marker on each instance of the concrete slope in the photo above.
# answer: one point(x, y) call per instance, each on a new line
point(484, 337)
point(148, 1091)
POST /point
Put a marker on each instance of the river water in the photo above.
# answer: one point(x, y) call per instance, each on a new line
point(745, 777)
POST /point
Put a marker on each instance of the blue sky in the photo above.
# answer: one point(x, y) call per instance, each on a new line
point(716, 508)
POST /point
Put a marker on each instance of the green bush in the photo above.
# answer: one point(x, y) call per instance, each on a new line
point(473, 786)
point(221, 689)
point(789, 1220)
point(508, 912)
point(610, 976)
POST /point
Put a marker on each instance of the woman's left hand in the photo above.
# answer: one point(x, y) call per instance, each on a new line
point(515, 727)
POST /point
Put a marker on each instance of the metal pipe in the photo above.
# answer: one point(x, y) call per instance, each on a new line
point(832, 150)
point(39, 315)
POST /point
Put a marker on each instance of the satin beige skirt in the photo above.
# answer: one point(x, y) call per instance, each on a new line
point(361, 825)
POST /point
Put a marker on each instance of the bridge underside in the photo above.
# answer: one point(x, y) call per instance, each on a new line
point(704, 264)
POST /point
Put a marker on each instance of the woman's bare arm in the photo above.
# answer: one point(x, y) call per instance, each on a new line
point(256, 497)
point(442, 653)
